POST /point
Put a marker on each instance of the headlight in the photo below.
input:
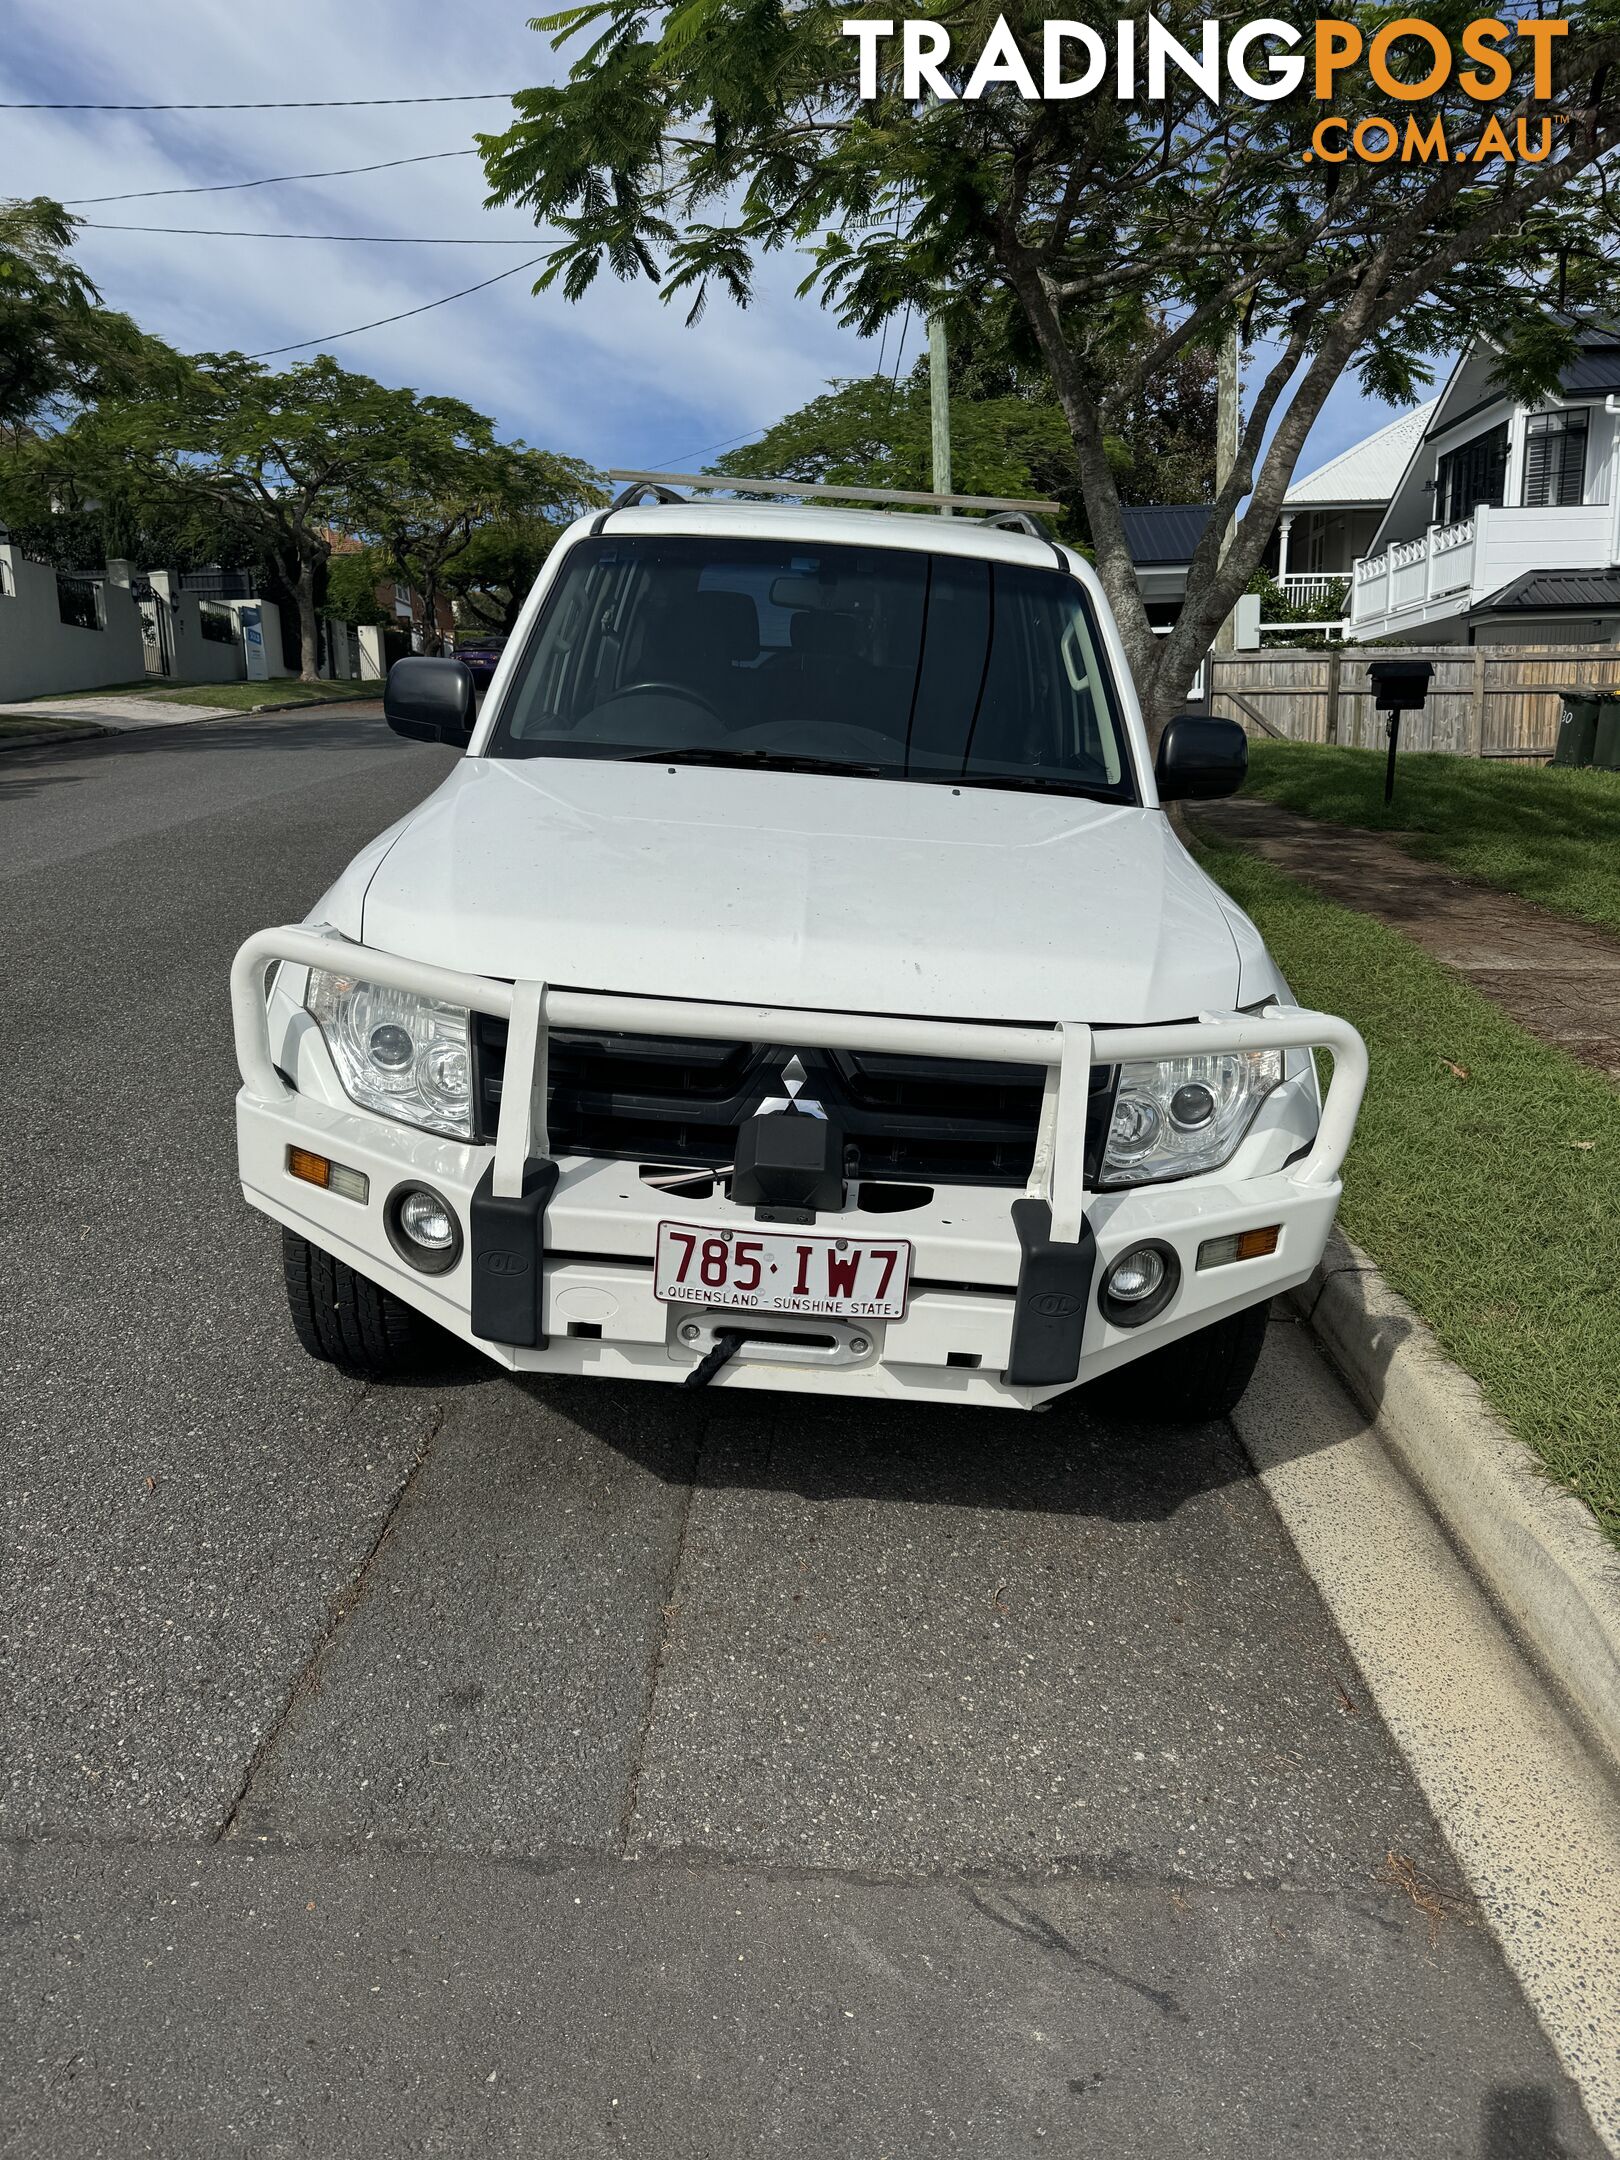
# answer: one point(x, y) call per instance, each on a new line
point(1185, 1114)
point(404, 1055)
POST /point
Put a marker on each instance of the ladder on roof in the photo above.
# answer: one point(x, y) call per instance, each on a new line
point(1005, 511)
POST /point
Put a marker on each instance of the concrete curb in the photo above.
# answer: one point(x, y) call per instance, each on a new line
point(93, 731)
point(1534, 1546)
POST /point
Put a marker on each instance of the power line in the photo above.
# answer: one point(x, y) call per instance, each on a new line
point(459, 97)
point(220, 232)
point(270, 351)
point(224, 187)
point(677, 457)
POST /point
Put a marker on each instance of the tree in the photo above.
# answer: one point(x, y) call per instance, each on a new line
point(451, 481)
point(287, 462)
point(872, 432)
point(58, 344)
point(491, 578)
point(1008, 437)
point(693, 138)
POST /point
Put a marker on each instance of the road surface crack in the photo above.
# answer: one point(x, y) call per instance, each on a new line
point(306, 1681)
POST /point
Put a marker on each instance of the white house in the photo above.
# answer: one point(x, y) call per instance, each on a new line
point(1330, 516)
point(1504, 526)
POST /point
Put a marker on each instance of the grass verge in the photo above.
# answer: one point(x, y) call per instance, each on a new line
point(1484, 1178)
point(43, 724)
point(1548, 835)
point(233, 696)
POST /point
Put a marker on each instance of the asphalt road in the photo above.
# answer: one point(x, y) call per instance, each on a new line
point(545, 1768)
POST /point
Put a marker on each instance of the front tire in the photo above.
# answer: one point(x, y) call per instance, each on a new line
point(1192, 1381)
point(350, 1322)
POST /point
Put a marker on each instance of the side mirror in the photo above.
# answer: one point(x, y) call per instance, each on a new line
point(431, 701)
point(1200, 758)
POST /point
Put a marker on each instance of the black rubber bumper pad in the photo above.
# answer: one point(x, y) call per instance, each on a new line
point(508, 1242)
point(1054, 1292)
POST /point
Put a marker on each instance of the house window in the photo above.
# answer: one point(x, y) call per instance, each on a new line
point(1555, 459)
point(1474, 473)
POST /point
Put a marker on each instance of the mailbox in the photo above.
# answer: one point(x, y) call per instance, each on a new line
point(1397, 686)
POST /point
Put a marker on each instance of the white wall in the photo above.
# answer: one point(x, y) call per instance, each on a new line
point(40, 653)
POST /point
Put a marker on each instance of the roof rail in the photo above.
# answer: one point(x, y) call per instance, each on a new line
point(663, 485)
point(627, 498)
point(1024, 521)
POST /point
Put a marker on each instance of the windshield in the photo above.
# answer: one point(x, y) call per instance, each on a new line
point(894, 664)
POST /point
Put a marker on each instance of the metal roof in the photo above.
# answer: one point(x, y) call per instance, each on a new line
point(1369, 471)
point(1163, 532)
point(1594, 371)
point(1549, 591)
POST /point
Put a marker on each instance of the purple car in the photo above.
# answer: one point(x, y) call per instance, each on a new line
point(479, 656)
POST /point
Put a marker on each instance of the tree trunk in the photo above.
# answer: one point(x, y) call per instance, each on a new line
point(432, 642)
point(309, 625)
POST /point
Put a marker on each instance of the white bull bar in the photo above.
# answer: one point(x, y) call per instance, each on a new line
point(1067, 1050)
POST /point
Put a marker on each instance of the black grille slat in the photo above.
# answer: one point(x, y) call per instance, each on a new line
point(647, 1099)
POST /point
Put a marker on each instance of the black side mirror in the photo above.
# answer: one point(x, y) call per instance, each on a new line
point(1200, 758)
point(431, 701)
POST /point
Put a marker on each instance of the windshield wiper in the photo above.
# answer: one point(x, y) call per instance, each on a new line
point(1025, 783)
point(765, 760)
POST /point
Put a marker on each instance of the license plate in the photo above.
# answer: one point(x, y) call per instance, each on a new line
point(781, 1271)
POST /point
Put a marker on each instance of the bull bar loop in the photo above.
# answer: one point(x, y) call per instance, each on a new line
point(1066, 1049)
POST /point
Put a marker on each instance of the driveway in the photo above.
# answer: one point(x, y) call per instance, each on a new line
point(545, 1767)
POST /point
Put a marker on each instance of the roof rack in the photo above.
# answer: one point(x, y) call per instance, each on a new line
point(1002, 510)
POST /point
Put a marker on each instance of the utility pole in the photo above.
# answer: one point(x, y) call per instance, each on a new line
point(1227, 423)
point(939, 406)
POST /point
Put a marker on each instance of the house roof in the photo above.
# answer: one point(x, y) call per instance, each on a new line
point(1544, 592)
point(1163, 532)
point(1369, 471)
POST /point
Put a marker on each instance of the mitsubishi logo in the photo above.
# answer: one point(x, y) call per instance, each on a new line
point(793, 1077)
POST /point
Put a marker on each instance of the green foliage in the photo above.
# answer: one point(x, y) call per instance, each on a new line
point(1492, 1201)
point(1551, 836)
point(58, 344)
point(692, 139)
point(490, 579)
point(352, 578)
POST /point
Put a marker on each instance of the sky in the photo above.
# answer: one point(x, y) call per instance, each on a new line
point(617, 378)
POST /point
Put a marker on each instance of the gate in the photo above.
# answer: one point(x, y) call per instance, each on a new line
point(157, 628)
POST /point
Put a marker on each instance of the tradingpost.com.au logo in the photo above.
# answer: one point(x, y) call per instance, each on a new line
point(1264, 60)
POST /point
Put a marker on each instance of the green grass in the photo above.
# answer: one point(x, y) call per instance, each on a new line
point(42, 724)
point(249, 696)
point(235, 696)
point(1492, 1202)
point(1548, 835)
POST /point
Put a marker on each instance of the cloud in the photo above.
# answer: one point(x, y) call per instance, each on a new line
point(617, 378)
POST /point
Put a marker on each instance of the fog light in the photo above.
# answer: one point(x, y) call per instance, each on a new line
point(1137, 1276)
point(1241, 1245)
point(335, 1177)
point(426, 1220)
point(422, 1228)
point(1139, 1284)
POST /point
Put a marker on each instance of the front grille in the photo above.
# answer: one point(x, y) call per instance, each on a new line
point(651, 1099)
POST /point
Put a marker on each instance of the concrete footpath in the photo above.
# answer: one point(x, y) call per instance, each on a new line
point(1558, 979)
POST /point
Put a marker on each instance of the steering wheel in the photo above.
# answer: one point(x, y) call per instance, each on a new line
point(683, 691)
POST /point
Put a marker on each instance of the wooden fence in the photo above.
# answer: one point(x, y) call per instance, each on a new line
point(1494, 701)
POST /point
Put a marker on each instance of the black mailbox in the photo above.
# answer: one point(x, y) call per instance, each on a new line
point(1397, 686)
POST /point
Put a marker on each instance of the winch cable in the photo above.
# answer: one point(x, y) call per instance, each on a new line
point(727, 1343)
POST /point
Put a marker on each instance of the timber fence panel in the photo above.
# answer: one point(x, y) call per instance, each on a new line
point(1494, 701)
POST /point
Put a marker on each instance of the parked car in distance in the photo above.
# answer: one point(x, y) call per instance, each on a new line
point(797, 983)
point(480, 656)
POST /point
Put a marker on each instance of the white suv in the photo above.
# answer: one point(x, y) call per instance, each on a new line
point(797, 984)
